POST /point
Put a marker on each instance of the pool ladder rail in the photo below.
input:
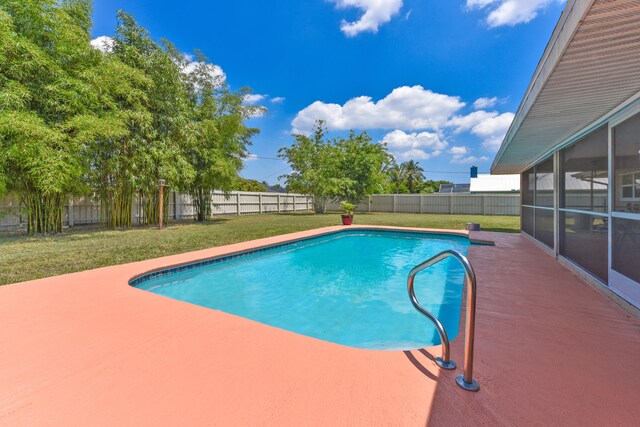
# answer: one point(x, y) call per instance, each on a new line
point(466, 380)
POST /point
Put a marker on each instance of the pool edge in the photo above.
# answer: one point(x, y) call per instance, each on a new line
point(250, 246)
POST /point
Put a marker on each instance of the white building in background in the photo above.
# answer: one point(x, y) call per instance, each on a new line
point(485, 183)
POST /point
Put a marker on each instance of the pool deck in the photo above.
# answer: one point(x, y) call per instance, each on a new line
point(88, 349)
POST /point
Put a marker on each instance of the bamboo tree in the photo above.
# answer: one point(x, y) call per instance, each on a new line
point(220, 134)
point(42, 89)
point(161, 152)
point(74, 120)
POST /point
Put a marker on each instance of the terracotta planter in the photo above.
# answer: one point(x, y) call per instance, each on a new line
point(347, 219)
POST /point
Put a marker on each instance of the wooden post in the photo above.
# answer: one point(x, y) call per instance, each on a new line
point(395, 201)
point(161, 202)
point(278, 202)
point(369, 205)
point(420, 200)
point(238, 203)
point(260, 202)
point(294, 202)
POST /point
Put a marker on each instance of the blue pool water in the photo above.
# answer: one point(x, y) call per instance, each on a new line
point(349, 287)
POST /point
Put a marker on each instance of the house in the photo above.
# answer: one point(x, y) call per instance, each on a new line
point(453, 188)
point(485, 184)
point(575, 141)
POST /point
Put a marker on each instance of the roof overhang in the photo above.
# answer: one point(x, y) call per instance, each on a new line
point(589, 68)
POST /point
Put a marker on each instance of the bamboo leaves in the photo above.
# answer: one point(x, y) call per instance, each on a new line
point(75, 120)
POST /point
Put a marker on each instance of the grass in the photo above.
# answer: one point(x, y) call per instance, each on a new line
point(27, 258)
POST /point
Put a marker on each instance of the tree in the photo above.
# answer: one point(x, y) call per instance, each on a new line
point(431, 186)
point(347, 168)
point(361, 165)
point(74, 120)
point(44, 53)
point(397, 176)
point(220, 134)
point(314, 167)
point(414, 176)
point(243, 184)
point(160, 146)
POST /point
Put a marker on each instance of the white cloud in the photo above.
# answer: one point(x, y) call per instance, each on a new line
point(416, 146)
point(421, 122)
point(492, 130)
point(251, 157)
point(278, 100)
point(461, 154)
point(103, 43)
point(458, 151)
point(481, 103)
point(407, 108)
point(510, 12)
point(479, 4)
point(467, 122)
point(254, 98)
point(488, 125)
point(376, 12)
point(214, 71)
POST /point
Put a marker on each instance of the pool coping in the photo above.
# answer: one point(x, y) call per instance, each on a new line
point(227, 252)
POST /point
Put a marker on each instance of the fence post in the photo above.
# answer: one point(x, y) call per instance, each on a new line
point(369, 205)
point(421, 198)
point(484, 204)
point(395, 200)
point(70, 212)
point(294, 202)
point(451, 204)
point(238, 203)
point(278, 202)
point(260, 203)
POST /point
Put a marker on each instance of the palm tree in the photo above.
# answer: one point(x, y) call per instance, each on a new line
point(414, 175)
point(397, 175)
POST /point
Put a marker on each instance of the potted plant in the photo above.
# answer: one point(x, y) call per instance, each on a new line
point(347, 216)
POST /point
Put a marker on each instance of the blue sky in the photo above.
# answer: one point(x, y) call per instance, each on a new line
point(438, 80)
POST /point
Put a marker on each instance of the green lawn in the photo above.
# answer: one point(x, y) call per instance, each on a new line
point(26, 258)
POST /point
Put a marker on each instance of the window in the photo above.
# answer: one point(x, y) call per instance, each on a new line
point(544, 183)
point(584, 177)
point(527, 186)
point(527, 220)
point(626, 247)
point(537, 186)
point(544, 226)
point(630, 186)
point(626, 149)
point(584, 240)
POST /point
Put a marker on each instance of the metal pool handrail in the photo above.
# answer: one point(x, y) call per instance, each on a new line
point(465, 381)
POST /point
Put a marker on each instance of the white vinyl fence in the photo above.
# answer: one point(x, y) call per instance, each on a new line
point(84, 210)
point(245, 203)
point(462, 204)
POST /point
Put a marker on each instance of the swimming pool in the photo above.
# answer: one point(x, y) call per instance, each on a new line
point(347, 287)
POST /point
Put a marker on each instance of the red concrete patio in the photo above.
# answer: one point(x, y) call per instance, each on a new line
point(87, 349)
